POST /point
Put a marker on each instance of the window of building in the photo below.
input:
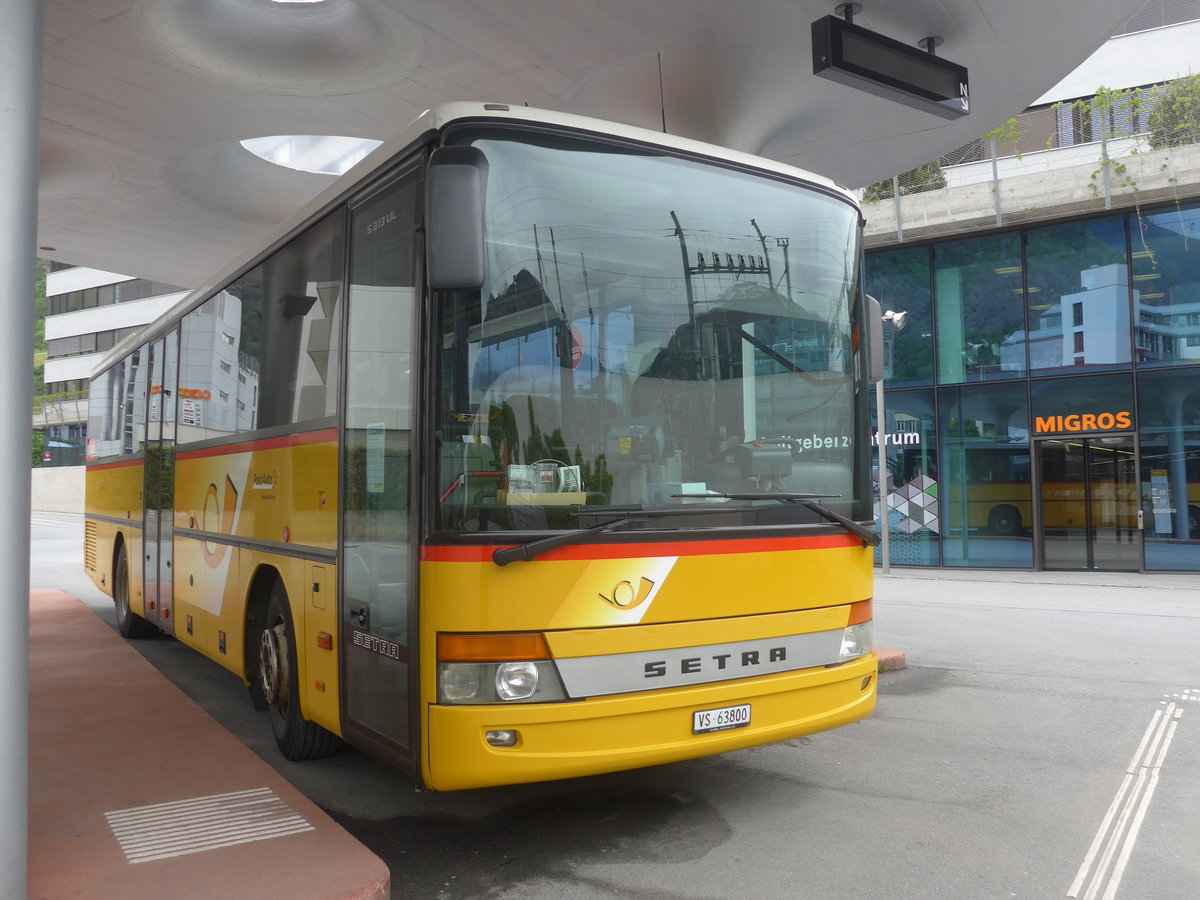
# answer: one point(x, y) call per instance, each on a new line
point(1077, 278)
point(1169, 451)
point(899, 279)
point(1166, 282)
point(979, 309)
point(912, 486)
point(985, 487)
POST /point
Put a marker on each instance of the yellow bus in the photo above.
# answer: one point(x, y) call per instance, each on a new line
point(533, 447)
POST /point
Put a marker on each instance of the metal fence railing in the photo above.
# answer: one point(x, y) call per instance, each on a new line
point(1113, 150)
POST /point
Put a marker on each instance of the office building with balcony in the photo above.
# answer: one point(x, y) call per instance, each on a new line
point(88, 312)
point(1042, 403)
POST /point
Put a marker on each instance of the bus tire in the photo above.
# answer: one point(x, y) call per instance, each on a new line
point(1194, 522)
point(129, 623)
point(279, 679)
point(1004, 520)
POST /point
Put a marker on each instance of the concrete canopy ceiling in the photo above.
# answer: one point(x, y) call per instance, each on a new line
point(145, 101)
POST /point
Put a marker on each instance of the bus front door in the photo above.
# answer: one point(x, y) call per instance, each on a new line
point(1089, 504)
point(378, 597)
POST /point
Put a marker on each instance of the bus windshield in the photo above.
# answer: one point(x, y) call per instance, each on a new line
point(649, 327)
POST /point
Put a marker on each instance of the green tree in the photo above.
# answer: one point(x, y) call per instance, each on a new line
point(1175, 119)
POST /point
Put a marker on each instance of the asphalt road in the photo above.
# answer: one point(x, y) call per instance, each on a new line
point(1044, 742)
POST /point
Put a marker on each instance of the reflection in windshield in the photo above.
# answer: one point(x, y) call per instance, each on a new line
point(650, 327)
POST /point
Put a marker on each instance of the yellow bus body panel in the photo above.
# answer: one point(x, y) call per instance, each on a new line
point(695, 600)
point(281, 492)
point(114, 492)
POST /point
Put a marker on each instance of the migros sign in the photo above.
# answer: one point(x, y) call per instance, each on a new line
point(1105, 421)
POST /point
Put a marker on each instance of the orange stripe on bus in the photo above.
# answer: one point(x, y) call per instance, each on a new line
point(442, 553)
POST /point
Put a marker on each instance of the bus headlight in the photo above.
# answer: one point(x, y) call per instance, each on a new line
point(496, 667)
point(516, 680)
point(459, 683)
point(527, 681)
point(857, 640)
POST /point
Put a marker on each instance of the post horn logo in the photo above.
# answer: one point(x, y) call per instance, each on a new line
point(624, 596)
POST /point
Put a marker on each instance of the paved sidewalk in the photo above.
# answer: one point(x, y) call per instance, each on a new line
point(135, 792)
point(1189, 581)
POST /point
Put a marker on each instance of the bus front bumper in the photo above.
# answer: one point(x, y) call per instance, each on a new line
point(609, 734)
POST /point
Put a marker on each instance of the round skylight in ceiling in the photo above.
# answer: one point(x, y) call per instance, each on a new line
point(324, 154)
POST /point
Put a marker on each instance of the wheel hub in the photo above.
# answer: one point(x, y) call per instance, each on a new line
point(272, 664)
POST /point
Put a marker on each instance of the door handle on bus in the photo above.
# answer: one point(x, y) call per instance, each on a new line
point(361, 615)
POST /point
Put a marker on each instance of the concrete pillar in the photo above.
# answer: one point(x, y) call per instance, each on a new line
point(20, 104)
point(1177, 476)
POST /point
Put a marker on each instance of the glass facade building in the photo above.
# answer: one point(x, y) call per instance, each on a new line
point(1043, 399)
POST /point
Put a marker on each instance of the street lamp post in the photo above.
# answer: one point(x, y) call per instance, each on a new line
point(897, 320)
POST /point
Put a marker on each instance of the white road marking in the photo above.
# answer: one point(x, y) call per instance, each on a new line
point(164, 830)
point(1113, 845)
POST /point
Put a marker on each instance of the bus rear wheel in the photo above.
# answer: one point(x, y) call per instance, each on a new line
point(279, 680)
point(1004, 520)
point(129, 623)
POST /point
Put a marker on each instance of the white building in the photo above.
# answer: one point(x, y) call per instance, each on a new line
point(88, 312)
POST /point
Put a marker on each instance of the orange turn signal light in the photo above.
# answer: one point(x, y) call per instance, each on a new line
point(860, 612)
point(325, 640)
point(491, 647)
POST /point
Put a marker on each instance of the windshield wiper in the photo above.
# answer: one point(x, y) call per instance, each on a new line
point(805, 500)
point(625, 515)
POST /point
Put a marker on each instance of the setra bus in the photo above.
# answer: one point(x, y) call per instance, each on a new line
point(533, 447)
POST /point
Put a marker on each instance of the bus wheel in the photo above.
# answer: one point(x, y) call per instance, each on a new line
point(1004, 520)
point(1194, 521)
point(298, 738)
point(129, 623)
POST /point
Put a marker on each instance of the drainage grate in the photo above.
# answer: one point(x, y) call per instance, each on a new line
point(165, 830)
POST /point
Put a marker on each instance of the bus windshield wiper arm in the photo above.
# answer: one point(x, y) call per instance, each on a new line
point(505, 555)
point(805, 500)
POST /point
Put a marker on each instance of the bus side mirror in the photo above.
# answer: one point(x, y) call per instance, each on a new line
point(454, 191)
point(874, 340)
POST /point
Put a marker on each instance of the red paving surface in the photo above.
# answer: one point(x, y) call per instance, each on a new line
point(890, 659)
point(107, 732)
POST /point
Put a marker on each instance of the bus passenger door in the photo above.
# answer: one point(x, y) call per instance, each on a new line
point(159, 485)
point(378, 601)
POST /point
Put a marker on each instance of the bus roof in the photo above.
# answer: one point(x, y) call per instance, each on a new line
point(434, 120)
